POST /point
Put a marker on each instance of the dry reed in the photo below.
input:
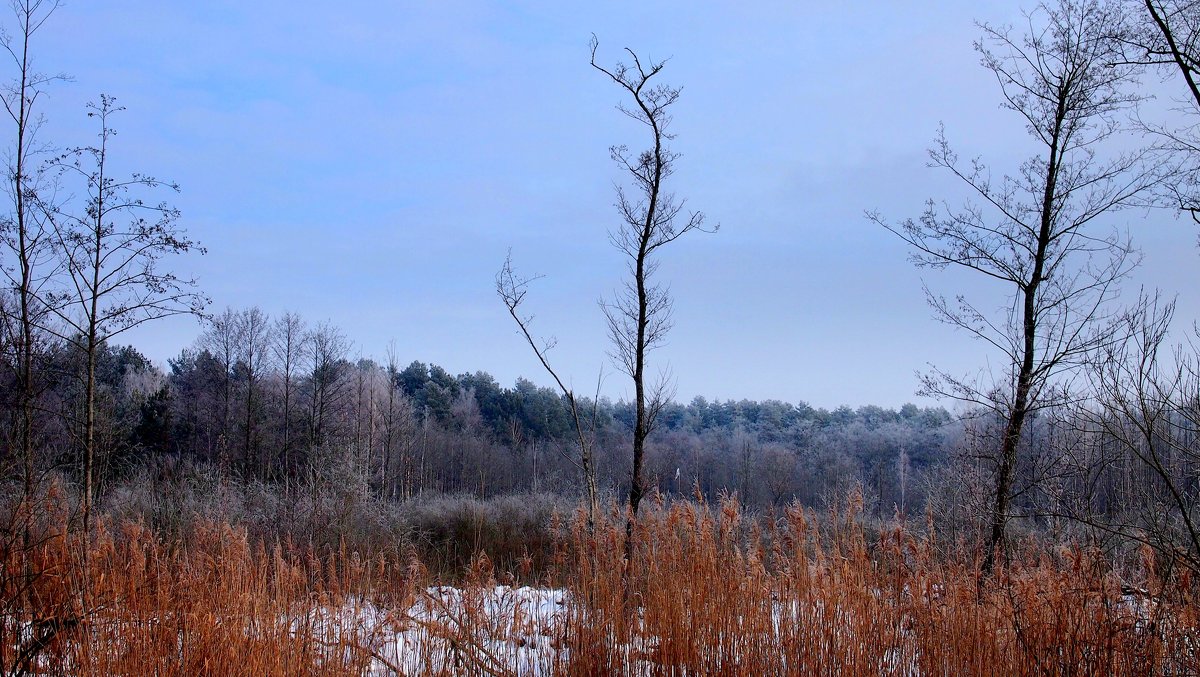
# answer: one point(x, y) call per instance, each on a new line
point(710, 592)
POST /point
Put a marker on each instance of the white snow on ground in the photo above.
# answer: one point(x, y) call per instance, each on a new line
point(500, 630)
point(503, 631)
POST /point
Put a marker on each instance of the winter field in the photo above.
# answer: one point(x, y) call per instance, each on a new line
point(709, 591)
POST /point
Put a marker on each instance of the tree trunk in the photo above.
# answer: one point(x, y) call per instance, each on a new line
point(1004, 475)
point(89, 436)
point(641, 428)
point(287, 421)
point(1025, 374)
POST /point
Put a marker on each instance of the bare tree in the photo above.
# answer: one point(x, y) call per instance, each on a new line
point(254, 336)
point(1166, 34)
point(746, 448)
point(639, 316)
point(111, 245)
point(1148, 404)
point(25, 236)
point(399, 435)
point(1169, 35)
point(327, 350)
point(387, 483)
point(221, 341)
point(28, 264)
point(370, 398)
point(1035, 231)
point(903, 473)
point(512, 290)
point(288, 347)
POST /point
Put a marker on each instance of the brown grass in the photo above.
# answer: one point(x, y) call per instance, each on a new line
point(709, 593)
point(212, 603)
point(712, 595)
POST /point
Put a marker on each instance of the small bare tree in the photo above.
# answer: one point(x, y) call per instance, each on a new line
point(111, 246)
point(1035, 231)
point(639, 316)
point(512, 290)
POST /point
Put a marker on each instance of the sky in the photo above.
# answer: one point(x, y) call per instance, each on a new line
point(370, 164)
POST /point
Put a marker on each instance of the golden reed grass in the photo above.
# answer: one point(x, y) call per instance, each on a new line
point(709, 592)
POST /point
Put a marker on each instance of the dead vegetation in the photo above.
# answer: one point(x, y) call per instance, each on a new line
point(715, 593)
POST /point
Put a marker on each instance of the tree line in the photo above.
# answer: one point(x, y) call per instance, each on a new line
point(286, 405)
point(278, 401)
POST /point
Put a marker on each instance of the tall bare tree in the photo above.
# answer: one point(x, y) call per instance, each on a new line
point(28, 265)
point(639, 316)
point(111, 246)
point(29, 262)
point(1035, 231)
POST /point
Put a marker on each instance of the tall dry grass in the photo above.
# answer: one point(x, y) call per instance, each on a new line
point(710, 592)
point(213, 603)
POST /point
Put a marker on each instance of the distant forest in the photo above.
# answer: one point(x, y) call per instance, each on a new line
point(285, 406)
point(279, 402)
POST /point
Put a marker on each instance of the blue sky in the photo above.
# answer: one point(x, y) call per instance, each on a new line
point(371, 163)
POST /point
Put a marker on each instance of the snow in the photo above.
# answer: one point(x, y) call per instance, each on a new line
point(499, 630)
